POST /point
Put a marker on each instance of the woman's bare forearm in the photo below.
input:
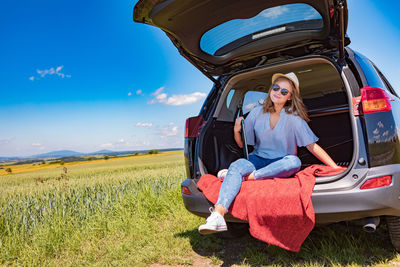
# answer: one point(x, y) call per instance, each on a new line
point(238, 139)
point(236, 131)
point(321, 154)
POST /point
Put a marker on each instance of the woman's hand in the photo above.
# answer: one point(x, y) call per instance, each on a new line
point(238, 125)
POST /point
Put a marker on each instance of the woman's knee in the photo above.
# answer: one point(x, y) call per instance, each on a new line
point(242, 166)
point(241, 163)
point(292, 162)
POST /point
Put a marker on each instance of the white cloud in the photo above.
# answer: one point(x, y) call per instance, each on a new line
point(36, 144)
point(376, 131)
point(175, 100)
point(58, 71)
point(168, 131)
point(172, 132)
point(274, 12)
point(51, 71)
point(156, 136)
point(139, 92)
point(179, 100)
point(386, 133)
point(158, 99)
point(144, 124)
point(129, 94)
point(380, 124)
point(158, 91)
point(161, 97)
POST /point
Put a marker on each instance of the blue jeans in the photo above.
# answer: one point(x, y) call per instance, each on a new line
point(263, 169)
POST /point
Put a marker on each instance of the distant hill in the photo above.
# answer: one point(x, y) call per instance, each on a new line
point(58, 154)
point(69, 155)
point(100, 152)
point(7, 159)
point(126, 152)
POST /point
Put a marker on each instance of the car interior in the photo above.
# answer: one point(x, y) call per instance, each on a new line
point(324, 95)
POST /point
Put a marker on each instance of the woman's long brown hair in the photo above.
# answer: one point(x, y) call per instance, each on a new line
point(294, 106)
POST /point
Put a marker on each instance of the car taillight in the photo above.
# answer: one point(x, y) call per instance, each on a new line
point(377, 182)
point(374, 99)
point(185, 190)
point(193, 126)
point(187, 128)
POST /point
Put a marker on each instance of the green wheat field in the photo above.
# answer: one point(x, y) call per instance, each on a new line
point(129, 212)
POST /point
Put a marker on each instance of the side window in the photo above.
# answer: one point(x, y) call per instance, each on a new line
point(372, 74)
point(229, 99)
point(229, 106)
point(385, 81)
point(252, 99)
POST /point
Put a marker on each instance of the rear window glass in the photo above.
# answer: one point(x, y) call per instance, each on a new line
point(272, 21)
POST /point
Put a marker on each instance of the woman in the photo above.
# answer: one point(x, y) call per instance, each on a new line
point(276, 129)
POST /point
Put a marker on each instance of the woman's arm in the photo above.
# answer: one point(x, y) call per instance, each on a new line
point(320, 153)
point(236, 131)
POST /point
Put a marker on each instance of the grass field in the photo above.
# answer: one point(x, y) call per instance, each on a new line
point(129, 212)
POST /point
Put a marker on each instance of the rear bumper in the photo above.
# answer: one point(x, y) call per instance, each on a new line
point(331, 205)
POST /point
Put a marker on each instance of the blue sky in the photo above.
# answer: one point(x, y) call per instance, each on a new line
point(81, 75)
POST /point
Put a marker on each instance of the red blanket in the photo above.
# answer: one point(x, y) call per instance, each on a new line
point(279, 210)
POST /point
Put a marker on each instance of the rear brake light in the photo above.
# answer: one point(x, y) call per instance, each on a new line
point(187, 128)
point(374, 99)
point(331, 12)
point(193, 126)
point(185, 190)
point(377, 182)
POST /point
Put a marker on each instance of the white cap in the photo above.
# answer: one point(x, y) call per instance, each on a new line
point(290, 76)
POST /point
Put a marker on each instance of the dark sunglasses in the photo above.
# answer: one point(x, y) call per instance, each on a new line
point(276, 88)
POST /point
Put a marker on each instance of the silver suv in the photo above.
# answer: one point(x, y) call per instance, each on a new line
point(353, 109)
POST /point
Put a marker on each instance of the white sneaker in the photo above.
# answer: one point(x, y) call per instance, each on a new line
point(214, 223)
point(222, 173)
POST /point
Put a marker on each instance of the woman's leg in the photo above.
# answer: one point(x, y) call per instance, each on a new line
point(233, 181)
point(229, 189)
point(285, 167)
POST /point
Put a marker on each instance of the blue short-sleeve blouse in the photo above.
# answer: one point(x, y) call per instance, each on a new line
point(289, 132)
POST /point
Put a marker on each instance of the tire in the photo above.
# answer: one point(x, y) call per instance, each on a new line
point(235, 230)
point(393, 224)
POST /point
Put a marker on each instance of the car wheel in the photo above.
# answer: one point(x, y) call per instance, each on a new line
point(393, 224)
point(235, 230)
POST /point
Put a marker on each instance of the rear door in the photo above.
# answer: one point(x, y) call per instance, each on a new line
point(221, 36)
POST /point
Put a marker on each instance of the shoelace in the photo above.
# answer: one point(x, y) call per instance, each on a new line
point(211, 209)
